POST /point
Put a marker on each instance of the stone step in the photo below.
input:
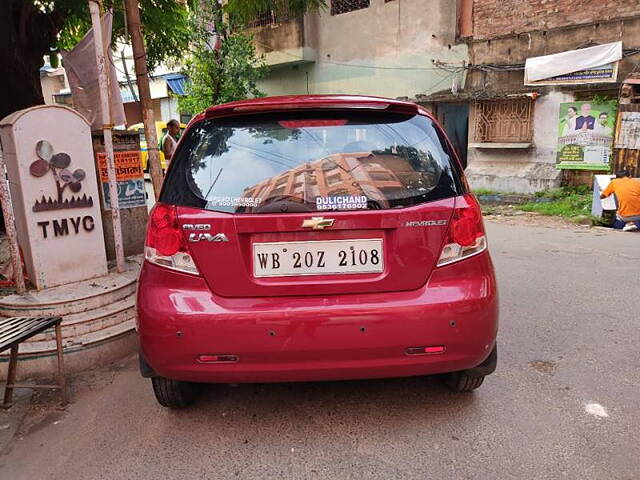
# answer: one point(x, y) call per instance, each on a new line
point(75, 297)
point(81, 323)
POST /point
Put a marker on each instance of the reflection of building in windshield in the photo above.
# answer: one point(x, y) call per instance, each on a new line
point(377, 176)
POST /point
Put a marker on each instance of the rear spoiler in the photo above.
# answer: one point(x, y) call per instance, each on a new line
point(318, 103)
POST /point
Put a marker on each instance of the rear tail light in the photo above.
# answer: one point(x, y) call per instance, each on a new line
point(165, 245)
point(466, 235)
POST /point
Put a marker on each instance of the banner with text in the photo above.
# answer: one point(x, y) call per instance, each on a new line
point(130, 178)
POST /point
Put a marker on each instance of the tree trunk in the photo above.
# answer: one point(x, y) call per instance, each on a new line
point(26, 34)
point(142, 79)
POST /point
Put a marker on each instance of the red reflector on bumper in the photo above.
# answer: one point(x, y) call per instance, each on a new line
point(425, 350)
point(217, 358)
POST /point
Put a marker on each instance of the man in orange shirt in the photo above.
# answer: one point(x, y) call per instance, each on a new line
point(627, 191)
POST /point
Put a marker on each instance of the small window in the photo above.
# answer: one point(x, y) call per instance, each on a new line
point(333, 179)
point(381, 177)
point(329, 165)
point(344, 6)
point(504, 121)
point(282, 181)
point(277, 191)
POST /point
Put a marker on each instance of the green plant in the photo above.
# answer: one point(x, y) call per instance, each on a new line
point(605, 99)
point(484, 191)
point(558, 193)
point(223, 66)
point(566, 202)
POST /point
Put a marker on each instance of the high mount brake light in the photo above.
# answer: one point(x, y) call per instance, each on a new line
point(165, 245)
point(466, 236)
point(311, 123)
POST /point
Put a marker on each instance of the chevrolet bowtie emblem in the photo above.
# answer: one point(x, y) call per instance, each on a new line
point(318, 223)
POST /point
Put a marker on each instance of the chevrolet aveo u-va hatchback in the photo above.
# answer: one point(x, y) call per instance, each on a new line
point(315, 238)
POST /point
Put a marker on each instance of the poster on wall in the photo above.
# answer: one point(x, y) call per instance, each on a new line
point(129, 176)
point(629, 136)
point(585, 135)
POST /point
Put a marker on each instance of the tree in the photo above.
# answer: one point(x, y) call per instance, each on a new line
point(223, 66)
point(29, 29)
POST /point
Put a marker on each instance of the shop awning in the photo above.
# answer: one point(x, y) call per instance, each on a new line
point(586, 65)
point(176, 83)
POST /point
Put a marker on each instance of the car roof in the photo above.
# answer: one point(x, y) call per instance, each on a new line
point(292, 102)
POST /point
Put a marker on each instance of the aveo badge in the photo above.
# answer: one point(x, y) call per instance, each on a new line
point(201, 236)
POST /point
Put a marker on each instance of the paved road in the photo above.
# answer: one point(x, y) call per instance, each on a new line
point(569, 338)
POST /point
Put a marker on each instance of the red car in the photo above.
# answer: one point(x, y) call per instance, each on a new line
point(315, 238)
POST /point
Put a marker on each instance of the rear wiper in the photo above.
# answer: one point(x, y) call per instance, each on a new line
point(213, 184)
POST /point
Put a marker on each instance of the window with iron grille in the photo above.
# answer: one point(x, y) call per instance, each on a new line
point(344, 6)
point(504, 121)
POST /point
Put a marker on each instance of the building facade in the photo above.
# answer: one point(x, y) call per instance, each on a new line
point(514, 128)
point(371, 47)
point(166, 85)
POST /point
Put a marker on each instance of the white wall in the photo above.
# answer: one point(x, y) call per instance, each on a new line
point(368, 51)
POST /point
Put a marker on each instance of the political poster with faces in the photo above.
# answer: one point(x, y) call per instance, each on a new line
point(585, 135)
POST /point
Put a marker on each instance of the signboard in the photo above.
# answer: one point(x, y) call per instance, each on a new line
point(585, 135)
point(130, 178)
point(52, 178)
point(603, 74)
point(597, 64)
point(629, 134)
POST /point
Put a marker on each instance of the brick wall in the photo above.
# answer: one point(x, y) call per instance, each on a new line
point(493, 18)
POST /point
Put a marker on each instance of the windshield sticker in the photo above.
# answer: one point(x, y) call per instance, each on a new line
point(234, 202)
point(347, 202)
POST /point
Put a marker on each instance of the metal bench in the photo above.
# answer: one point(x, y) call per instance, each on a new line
point(16, 330)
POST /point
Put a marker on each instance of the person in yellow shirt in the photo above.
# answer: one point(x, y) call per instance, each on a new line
point(627, 192)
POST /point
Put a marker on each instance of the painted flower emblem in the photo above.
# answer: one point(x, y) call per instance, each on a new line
point(58, 165)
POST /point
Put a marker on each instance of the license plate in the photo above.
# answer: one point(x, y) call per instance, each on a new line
point(284, 259)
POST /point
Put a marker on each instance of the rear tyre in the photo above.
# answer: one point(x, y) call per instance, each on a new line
point(462, 381)
point(174, 393)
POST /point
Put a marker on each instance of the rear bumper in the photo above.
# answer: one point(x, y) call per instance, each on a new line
point(336, 337)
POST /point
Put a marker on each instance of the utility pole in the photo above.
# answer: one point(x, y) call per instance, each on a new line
point(142, 79)
point(105, 103)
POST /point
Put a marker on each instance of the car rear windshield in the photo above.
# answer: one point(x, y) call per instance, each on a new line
point(303, 161)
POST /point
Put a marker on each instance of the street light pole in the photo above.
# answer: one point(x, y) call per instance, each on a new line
point(142, 79)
